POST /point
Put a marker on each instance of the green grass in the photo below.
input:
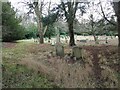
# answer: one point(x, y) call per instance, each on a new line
point(18, 76)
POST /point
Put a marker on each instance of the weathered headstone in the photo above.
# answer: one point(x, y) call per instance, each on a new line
point(59, 50)
point(59, 47)
point(77, 52)
point(84, 41)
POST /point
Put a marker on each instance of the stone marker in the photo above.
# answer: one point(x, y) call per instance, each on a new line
point(59, 47)
point(77, 52)
point(84, 41)
point(59, 50)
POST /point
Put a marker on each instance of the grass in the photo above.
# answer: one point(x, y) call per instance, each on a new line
point(19, 76)
point(28, 65)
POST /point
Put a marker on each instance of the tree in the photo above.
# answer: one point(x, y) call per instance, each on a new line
point(38, 11)
point(50, 32)
point(11, 28)
point(49, 21)
point(117, 12)
point(116, 7)
point(70, 8)
point(93, 29)
point(31, 31)
point(70, 16)
point(94, 24)
point(103, 13)
point(36, 6)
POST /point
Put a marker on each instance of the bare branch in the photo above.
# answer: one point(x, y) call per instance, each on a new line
point(45, 30)
point(104, 14)
point(63, 7)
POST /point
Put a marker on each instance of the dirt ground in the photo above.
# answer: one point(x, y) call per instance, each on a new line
point(8, 45)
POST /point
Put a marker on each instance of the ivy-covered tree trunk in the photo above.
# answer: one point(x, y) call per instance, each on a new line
point(71, 34)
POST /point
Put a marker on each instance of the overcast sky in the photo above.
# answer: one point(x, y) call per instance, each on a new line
point(22, 9)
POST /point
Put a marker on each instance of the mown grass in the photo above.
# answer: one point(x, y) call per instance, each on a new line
point(15, 75)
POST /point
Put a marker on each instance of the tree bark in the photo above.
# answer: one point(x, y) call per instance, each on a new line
point(45, 29)
point(71, 34)
point(118, 27)
point(41, 36)
point(96, 39)
point(118, 20)
point(117, 12)
point(70, 12)
point(38, 12)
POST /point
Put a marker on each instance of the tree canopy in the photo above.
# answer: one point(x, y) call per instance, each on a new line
point(11, 28)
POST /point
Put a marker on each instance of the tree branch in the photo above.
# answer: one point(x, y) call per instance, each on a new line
point(63, 7)
point(75, 9)
point(104, 15)
point(45, 29)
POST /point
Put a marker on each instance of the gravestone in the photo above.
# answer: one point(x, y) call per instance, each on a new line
point(58, 35)
point(59, 47)
point(52, 42)
point(59, 50)
point(77, 52)
point(106, 40)
point(84, 41)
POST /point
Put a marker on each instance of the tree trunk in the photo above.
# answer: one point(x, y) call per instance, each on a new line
point(38, 12)
point(96, 40)
point(118, 27)
point(41, 36)
point(118, 20)
point(71, 34)
point(117, 12)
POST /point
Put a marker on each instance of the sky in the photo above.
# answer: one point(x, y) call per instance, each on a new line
point(20, 6)
point(22, 9)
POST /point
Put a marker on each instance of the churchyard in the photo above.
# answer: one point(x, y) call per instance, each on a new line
point(86, 65)
point(60, 44)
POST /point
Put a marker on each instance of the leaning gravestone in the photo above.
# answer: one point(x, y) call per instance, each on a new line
point(77, 52)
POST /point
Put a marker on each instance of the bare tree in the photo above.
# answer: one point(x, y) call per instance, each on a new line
point(36, 6)
point(70, 16)
point(116, 6)
point(93, 29)
point(38, 12)
point(103, 13)
point(70, 8)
